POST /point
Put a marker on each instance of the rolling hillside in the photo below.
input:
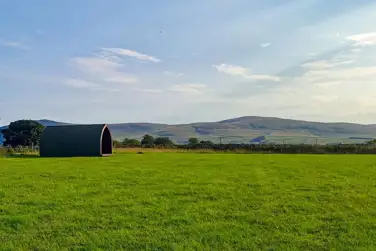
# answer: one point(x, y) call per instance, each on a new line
point(248, 129)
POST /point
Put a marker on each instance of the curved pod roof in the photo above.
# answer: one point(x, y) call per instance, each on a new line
point(76, 140)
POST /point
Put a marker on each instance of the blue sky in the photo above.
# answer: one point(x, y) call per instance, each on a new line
point(97, 61)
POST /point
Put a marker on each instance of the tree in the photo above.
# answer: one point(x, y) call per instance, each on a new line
point(206, 144)
point(147, 141)
point(131, 143)
point(22, 133)
point(371, 142)
point(163, 141)
point(193, 141)
point(116, 144)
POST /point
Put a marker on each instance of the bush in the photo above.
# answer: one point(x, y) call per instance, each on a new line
point(3, 151)
point(194, 144)
point(17, 151)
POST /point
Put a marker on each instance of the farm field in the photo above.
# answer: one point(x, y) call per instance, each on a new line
point(189, 201)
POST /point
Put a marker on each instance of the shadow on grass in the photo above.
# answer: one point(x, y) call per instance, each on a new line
point(21, 156)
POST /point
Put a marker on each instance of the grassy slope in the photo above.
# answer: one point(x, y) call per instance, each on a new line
point(165, 201)
point(246, 129)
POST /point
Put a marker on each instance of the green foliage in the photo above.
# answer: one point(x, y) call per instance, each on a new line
point(147, 141)
point(193, 142)
point(116, 143)
point(206, 144)
point(186, 201)
point(17, 151)
point(3, 151)
point(288, 149)
point(131, 143)
point(163, 141)
point(371, 142)
point(22, 133)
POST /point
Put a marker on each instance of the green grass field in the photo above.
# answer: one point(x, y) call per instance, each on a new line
point(187, 201)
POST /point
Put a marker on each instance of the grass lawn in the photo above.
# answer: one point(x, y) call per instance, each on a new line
point(187, 201)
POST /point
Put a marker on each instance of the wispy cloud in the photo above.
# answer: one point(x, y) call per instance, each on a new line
point(174, 74)
point(78, 83)
point(232, 69)
point(104, 69)
point(326, 84)
point(356, 50)
point(151, 90)
point(13, 44)
point(264, 77)
point(134, 54)
point(189, 88)
point(324, 64)
point(264, 45)
point(101, 72)
point(325, 98)
point(363, 39)
point(353, 74)
point(83, 84)
point(235, 70)
point(95, 65)
point(122, 79)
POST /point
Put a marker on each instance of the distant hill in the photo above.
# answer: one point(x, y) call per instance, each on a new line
point(253, 129)
point(250, 129)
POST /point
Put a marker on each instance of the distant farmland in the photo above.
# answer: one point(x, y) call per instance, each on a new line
point(245, 129)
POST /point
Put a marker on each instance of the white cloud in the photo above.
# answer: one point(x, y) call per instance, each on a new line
point(328, 83)
point(122, 79)
point(264, 45)
point(95, 65)
point(346, 62)
point(356, 50)
point(232, 69)
point(189, 88)
point(325, 98)
point(78, 83)
point(103, 69)
point(264, 77)
point(355, 73)
point(13, 44)
point(174, 74)
point(312, 54)
point(83, 84)
point(324, 64)
point(363, 39)
point(235, 70)
point(325, 87)
point(338, 74)
point(150, 90)
point(130, 53)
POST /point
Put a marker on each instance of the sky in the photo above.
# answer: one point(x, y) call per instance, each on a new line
point(112, 61)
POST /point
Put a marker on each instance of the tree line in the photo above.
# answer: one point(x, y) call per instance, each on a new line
point(148, 141)
point(28, 133)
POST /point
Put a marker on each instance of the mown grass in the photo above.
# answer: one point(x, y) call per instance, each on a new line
point(180, 201)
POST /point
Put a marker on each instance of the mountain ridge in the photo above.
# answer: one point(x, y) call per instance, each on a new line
point(246, 129)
